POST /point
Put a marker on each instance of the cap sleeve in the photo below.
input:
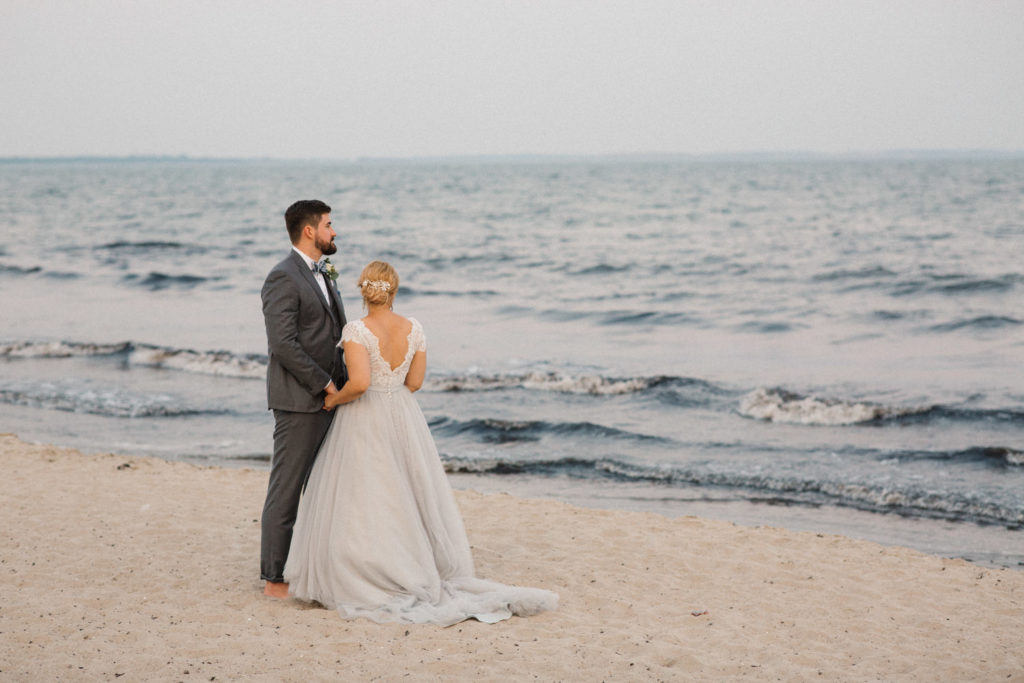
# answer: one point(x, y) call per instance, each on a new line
point(353, 332)
point(419, 339)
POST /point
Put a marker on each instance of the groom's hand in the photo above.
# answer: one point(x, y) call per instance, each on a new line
point(331, 390)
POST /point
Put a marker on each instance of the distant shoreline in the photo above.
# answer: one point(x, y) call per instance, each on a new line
point(471, 159)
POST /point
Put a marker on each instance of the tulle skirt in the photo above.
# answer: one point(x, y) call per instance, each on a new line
point(378, 532)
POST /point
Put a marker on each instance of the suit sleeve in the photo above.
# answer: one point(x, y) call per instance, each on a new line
point(281, 315)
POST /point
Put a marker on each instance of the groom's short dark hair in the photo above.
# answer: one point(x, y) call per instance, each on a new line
point(302, 213)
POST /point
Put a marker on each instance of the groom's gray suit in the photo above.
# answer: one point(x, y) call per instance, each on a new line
point(303, 331)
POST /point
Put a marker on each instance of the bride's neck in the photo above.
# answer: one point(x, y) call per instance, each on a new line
point(377, 310)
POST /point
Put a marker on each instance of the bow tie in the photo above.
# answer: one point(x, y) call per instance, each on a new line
point(319, 267)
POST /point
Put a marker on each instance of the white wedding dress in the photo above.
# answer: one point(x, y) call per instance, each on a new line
point(378, 532)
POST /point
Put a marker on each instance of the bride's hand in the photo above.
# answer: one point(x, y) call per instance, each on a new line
point(330, 400)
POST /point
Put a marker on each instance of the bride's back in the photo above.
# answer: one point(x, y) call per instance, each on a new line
point(392, 333)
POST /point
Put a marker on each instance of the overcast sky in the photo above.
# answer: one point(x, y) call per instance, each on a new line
point(335, 79)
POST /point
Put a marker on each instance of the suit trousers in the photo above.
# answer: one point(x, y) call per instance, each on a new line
point(297, 438)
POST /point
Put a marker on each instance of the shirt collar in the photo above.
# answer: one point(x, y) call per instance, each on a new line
point(309, 261)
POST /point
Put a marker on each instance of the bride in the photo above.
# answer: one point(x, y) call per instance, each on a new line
point(378, 532)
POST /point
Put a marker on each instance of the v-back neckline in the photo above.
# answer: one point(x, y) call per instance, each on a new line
point(380, 354)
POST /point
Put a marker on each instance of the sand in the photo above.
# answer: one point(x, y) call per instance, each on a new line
point(138, 569)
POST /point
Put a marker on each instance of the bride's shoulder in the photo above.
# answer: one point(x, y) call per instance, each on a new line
point(417, 336)
point(354, 325)
point(353, 331)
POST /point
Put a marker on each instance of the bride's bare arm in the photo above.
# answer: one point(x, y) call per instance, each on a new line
point(417, 371)
point(357, 360)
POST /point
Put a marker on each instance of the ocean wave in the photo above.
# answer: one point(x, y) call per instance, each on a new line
point(953, 413)
point(222, 363)
point(979, 285)
point(414, 291)
point(914, 314)
point(19, 270)
point(907, 500)
point(492, 430)
point(678, 392)
point(786, 407)
point(908, 287)
point(236, 459)
point(644, 317)
point(603, 269)
point(253, 366)
point(596, 385)
point(768, 327)
point(956, 285)
point(855, 274)
point(104, 401)
point(610, 318)
point(37, 270)
point(778, 405)
point(998, 455)
point(157, 281)
point(127, 245)
point(983, 322)
point(59, 349)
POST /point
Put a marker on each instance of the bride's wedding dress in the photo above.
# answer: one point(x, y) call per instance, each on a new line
point(378, 532)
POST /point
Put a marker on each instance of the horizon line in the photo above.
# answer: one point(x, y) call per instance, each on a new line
point(527, 157)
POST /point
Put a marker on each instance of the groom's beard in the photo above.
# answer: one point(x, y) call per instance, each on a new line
point(327, 248)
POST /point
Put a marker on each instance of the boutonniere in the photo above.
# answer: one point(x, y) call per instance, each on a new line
point(329, 268)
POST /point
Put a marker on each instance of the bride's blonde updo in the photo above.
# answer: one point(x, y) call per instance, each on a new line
point(378, 283)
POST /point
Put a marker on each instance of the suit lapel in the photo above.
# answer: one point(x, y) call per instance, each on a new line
point(306, 274)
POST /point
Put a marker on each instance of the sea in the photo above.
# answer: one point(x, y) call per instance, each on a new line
point(827, 345)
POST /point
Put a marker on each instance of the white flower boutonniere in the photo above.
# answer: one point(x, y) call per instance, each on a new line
point(329, 268)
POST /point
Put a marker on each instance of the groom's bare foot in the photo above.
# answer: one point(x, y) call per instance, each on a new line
point(276, 590)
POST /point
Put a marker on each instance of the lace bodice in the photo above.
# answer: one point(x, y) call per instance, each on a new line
point(382, 377)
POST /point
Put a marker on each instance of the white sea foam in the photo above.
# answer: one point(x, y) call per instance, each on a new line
point(775, 405)
point(58, 349)
point(585, 384)
point(595, 385)
point(1014, 457)
point(221, 363)
point(108, 401)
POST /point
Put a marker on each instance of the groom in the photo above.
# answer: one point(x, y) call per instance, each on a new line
point(304, 316)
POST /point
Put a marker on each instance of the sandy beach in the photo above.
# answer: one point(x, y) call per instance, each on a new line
point(138, 569)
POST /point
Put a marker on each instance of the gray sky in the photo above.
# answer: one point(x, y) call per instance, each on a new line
point(338, 79)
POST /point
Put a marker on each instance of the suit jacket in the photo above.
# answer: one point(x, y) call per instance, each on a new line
point(303, 332)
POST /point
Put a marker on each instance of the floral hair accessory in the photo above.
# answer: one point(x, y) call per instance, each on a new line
point(376, 284)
